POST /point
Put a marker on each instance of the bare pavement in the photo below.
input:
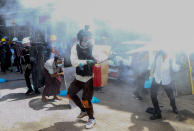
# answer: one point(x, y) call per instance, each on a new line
point(117, 111)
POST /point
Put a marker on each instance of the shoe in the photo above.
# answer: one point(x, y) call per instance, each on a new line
point(82, 115)
point(139, 98)
point(150, 110)
point(156, 116)
point(91, 123)
point(29, 92)
point(175, 110)
point(37, 92)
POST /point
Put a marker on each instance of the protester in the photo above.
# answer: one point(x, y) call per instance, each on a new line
point(28, 69)
point(141, 73)
point(18, 54)
point(53, 71)
point(82, 58)
point(161, 70)
point(3, 55)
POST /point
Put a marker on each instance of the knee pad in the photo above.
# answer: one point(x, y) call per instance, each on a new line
point(85, 103)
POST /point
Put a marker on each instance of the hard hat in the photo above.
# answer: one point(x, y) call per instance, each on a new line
point(53, 37)
point(15, 39)
point(3, 40)
point(104, 38)
point(26, 40)
point(83, 33)
point(6, 38)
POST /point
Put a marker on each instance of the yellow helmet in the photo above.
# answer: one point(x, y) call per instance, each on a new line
point(3, 40)
point(53, 37)
point(104, 38)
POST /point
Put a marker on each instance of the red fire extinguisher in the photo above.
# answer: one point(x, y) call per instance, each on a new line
point(97, 82)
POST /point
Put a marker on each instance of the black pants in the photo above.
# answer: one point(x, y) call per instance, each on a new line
point(27, 78)
point(154, 91)
point(138, 84)
point(87, 95)
point(18, 64)
point(3, 63)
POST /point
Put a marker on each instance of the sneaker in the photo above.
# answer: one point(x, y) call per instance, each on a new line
point(91, 123)
point(139, 98)
point(37, 92)
point(82, 115)
point(29, 92)
point(156, 116)
point(175, 110)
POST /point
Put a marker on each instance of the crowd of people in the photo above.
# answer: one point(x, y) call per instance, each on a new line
point(82, 59)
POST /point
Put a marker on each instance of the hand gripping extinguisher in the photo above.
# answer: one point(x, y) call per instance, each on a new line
point(97, 80)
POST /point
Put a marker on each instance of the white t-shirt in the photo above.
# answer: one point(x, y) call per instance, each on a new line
point(51, 67)
point(162, 70)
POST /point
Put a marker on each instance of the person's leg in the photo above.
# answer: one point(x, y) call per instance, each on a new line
point(4, 65)
point(27, 78)
point(35, 78)
point(20, 65)
point(17, 64)
point(169, 92)
point(74, 88)
point(88, 92)
point(57, 88)
point(154, 92)
point(136, 92)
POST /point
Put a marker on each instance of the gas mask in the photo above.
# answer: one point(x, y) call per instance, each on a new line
point(85, 43)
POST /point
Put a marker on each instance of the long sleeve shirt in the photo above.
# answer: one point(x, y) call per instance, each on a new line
point(163, 68)
point(75, 61)
point(51, 67)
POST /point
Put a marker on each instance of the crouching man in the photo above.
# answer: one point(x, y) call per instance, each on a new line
point(82, 58)
point(53, 72)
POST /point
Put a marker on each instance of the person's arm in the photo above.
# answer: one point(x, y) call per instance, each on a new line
point(151, 63)
point(74, 58)
point(175, 66)
point(57, 74)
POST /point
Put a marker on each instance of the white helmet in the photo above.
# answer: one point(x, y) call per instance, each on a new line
point(26, 40)
point(15, 39)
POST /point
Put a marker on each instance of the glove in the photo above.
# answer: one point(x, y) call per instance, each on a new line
point(81, 65)
point(90, 62)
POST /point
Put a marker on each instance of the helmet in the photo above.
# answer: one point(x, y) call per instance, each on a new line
point(15, 39)
point(3, 40)
point(104, 38)
point(26, 40)
point(6, 38)
point(53, 37)
point(82, 33)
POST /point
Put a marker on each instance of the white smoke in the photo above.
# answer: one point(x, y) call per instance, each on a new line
point(167, 23)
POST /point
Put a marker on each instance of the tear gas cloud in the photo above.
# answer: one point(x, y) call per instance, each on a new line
point(166, 23)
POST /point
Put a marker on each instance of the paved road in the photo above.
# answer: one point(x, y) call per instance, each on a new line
point(117, 111)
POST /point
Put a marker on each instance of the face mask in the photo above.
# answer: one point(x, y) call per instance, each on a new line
point(59, 65)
